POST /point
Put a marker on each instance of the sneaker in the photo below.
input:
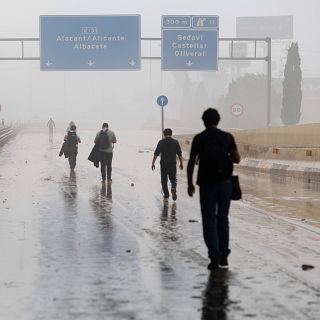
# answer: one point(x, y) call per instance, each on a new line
point(109, 180)
point(174, 194)
point(224, 263)
point(165, 199)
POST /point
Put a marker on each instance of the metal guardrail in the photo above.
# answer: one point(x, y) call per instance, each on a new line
point(6, 134)
point(231, 41)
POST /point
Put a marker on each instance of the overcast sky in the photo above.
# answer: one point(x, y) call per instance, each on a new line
point(20, 18)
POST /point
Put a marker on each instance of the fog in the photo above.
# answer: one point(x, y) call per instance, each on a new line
point(128, 99)
point(90, 225)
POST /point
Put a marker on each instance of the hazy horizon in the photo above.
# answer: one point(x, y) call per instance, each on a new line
point(127, 98)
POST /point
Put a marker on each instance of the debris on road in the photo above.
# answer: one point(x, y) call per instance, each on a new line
point(306, 267)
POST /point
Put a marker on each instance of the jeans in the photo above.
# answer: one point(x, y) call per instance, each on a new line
point(168, 169)
point(106, 161)
point(215, 201)
point(72, 160)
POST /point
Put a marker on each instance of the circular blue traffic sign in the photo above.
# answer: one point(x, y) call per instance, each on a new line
point(162, 101)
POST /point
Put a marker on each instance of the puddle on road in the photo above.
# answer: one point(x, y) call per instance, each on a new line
point(89, 247)
point(285, 196)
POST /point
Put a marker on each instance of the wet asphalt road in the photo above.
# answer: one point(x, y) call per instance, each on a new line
point(72, 248)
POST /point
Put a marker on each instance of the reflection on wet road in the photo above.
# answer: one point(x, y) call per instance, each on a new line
point(215, 296)
point(75, 248)
point(286, 196)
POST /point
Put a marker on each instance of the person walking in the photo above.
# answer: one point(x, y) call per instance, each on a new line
point(104, 140)
point(216, 151)
point(51, 125)
point(72, 139)
point(169, 149)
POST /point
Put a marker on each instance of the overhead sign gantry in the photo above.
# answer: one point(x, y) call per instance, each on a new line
point(189, 25)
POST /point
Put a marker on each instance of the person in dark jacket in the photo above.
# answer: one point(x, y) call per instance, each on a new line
point(105, 140)
point(94, 156)
point(169, 149)
point(72, 140)
point(216, 151)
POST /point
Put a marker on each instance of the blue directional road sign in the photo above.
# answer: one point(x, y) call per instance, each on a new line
point(162, 101)
point(190, 42)
point(90, 42)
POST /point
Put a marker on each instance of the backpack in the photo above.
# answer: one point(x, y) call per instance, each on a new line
point(104, 140)
point(72, 140)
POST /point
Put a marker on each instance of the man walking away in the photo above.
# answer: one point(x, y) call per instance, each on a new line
point(72, 140)
point(169, 148)
point(105, 140)
point(51, 125)
point(216, 151)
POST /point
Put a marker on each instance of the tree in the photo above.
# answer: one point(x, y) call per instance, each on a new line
point(250, 91)
point(292, 93)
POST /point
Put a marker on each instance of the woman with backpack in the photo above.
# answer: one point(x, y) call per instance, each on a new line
point(72, 139)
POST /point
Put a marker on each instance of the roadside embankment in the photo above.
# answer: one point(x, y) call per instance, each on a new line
point(290, 151)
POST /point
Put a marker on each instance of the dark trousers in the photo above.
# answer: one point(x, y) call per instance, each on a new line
point(106, 161)
point(72, 159)
point(215, 201)
point(168, 170)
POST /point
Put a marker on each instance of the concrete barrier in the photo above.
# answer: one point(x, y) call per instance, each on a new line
point(304, 136)
point(296, 143)
point(291, 151)
point(303, 170)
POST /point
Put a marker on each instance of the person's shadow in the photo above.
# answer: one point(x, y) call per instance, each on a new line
point(70, 189)
point(215, 296)
point(106, 192)
point(168, 222)
point(101, 203)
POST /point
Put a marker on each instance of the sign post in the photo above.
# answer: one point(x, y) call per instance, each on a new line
point(162, 101)
point(90, 42)
point(190, 43)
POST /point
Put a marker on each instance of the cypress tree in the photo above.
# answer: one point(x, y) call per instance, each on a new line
point(292, 93)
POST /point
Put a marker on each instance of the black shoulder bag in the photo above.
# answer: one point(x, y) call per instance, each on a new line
point(236, 190)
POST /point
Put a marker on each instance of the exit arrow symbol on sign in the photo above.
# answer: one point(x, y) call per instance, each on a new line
point(189, 63)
